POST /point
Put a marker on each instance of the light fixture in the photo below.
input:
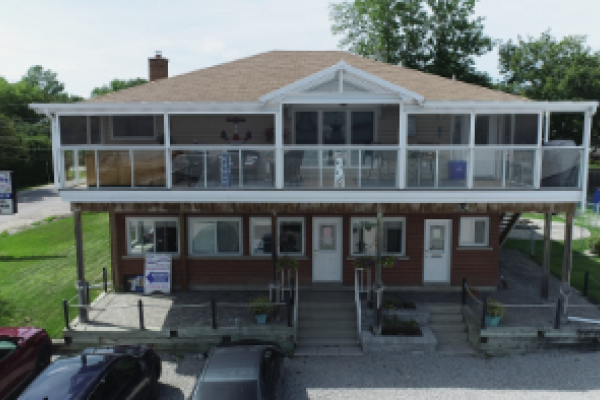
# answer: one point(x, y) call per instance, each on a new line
point(463, 206)
point(236, 139)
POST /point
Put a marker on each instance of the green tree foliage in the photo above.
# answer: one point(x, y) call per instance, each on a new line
point(545, 68)
point(436, 36)
point(117, 84)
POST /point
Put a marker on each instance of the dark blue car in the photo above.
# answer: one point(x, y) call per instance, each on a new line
point(121, 372)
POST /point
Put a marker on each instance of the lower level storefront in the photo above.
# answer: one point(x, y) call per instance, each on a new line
point(235, 249)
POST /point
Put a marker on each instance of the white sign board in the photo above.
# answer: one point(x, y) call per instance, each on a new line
point(7, 197)
point(157, 273)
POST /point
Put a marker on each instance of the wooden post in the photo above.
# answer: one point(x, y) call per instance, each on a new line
point(66, 312)
point(114, 248)
point(547, 250)
point(566, 271)
point(558, 313)
point(183, 251)
point(141, 314)
point(378, 281)
point(81, 283)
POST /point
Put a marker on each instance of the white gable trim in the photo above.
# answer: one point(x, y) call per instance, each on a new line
point(346, 71)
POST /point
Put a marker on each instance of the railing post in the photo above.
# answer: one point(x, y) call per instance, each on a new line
point(484, 310)
point(464, 291)
point(293, 290)
point(586, 280)
point(66, 312)
point(104, 280)
point(213, 309)
point(557, 316)
point(289, 313)
point(141, 313)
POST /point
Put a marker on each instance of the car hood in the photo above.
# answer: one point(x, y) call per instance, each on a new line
point(21, 333)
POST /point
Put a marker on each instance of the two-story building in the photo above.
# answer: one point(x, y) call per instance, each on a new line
point(298, 153)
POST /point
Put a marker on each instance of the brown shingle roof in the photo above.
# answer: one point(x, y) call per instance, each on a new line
point(247, 79)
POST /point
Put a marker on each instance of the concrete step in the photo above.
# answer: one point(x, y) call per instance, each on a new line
point(451, 338)
point(304, 350)
point(327, 334)
point(326, 306)
point(328, 324)
point(449, 327)
point(326, 315)
point(328, 342)
point(455, 349)
point(445, 318)
point(444, 309)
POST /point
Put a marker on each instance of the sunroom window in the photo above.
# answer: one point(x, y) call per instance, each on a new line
point(364, 236)
point(215, 236)
point(152, 235)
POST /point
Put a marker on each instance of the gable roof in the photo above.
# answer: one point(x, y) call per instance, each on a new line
point(249, 79)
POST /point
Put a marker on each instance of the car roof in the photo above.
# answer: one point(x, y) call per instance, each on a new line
point(19, 332)
point(236, 363)
point(135, 351)
point(67, 378)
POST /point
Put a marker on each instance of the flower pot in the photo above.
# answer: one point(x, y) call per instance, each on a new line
point(491, 321)
point(261, 318)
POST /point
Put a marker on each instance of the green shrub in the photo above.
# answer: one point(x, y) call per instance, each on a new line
point(261, 305)
point(494, 308)
point(594, 244)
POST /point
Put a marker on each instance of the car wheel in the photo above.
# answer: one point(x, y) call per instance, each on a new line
point(43, 358)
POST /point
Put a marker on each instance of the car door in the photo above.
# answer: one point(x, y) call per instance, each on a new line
point(121, 381)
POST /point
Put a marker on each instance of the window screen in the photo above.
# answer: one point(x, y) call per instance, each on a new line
point(137, 126)
point(306, 127)
point(73, 130)
point(362, 127)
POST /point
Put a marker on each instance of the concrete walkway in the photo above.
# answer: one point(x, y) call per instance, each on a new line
point(523, 230)
point(34, 205)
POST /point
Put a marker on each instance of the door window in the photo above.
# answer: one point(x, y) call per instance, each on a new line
point(327, 237)
point(334, 127)
point(437, 237)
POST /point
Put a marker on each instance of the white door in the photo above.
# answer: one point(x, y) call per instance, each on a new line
point(436, 264)
point(327, 249)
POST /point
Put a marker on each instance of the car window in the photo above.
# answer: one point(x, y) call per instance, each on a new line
point(6, 348)
point(116, 378)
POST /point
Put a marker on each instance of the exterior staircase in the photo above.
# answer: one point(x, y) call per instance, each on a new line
point(447, 324)
point(507, 222)
point(327, 328)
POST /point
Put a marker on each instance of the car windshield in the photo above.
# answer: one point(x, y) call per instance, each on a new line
point(65, 379)
point(241, 390)
point(6, 347)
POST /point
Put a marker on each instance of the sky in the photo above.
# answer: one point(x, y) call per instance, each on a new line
point(89, 43)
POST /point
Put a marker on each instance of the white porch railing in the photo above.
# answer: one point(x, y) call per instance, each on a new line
point(322, 167)
point(358, 306)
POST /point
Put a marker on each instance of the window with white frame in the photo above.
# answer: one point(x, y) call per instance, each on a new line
point(215, 236)
point(334, 127)
point(364, 236)
point(291, 235)
point(260, 236)
point(152, 235)
point(474, 231)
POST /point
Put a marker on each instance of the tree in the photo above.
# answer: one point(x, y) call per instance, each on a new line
point(548, 69)
point(436, 36)
point(117, 84)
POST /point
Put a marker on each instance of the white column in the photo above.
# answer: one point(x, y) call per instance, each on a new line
point(279, 148)
point(55, 150)
point(167, 135)
point(471, 164)
point(547, 130)
point(587, 136)
point(537, 162)
point(402, 142)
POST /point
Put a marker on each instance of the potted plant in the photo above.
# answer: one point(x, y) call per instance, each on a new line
point(261, 306)
point(285, 262)
point(493, 313)
point(388, 262)
point(364, 262)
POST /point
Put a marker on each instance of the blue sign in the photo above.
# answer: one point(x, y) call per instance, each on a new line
point(158, 277)
point(6, 196)
point(225, 170)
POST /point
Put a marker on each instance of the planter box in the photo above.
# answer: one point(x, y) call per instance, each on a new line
point(426, 343)
point(420, 314)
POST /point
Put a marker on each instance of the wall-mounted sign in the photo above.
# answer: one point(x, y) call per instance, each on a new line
point(225, 170)
point(157, 273)
point(8, 194)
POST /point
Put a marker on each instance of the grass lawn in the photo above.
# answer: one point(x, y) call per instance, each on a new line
point(594, 166)
point(38, 269)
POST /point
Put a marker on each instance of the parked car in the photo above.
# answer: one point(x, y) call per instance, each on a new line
point(242, 370)
point(121, 372)
point(24, 352)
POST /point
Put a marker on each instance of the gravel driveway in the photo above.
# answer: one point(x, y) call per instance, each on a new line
point(398, 376)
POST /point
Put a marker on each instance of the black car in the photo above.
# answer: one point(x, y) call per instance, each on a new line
point(244, 370)
point(121, 372)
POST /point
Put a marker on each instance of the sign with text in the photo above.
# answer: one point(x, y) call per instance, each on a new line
point(157, 273)
point(7, 193)
point(225, 170)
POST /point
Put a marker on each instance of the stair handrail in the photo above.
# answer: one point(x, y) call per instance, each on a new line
point(296, 309)
point(357, 303)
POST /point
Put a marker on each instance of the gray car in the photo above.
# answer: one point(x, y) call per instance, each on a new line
point(244, 370)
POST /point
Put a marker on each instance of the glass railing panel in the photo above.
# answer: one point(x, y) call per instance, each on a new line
point(258, 168)
point(339, 170)
point(222, 169)
point(378, 169)
point(420, 169)
point(149, 168)
point(453, 166)
point(561, 168)
point(114, 168)
point(519, 168)
point(79, 168)
point(487, 168)
point(301, 169)
point(187, 168)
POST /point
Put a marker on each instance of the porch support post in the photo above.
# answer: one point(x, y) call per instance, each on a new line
point(114, 249)
point(566, 272)
point(274, 244)
point(183, 251)
point(378, 282)
point(279, 181)
point(546, 265)
point(81, 283)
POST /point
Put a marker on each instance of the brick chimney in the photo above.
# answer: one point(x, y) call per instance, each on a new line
point(158, 67)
